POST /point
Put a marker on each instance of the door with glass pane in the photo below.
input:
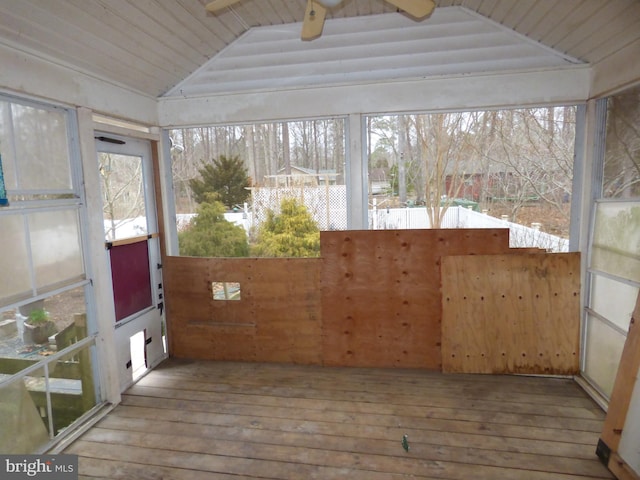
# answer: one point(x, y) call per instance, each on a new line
point(132, 245)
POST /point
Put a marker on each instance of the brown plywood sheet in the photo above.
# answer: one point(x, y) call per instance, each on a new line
point(514, 313)
point(381, 302)
point(276, 319)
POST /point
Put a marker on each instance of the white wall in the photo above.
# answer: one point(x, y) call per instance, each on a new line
point(461, 92)
point(25, 74)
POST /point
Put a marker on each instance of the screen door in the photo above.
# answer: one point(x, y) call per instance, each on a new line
point(132, 245)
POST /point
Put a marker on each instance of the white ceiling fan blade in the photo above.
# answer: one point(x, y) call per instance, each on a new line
point(313, 20)
point(217, 5)
point(415, 8)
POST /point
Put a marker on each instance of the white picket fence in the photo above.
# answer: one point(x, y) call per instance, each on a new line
point(520, 236)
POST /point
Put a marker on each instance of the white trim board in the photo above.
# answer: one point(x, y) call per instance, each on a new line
point(462, 92)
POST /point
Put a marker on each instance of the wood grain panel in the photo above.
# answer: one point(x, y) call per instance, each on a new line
point(276, 319)
point(381, 293)
point(515, 313)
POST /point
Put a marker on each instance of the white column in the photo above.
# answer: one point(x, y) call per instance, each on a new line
point(356, 174)
point(99, 271)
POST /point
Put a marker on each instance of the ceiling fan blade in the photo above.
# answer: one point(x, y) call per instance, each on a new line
point(217, 5)
point(313, 20)
point(415, 8)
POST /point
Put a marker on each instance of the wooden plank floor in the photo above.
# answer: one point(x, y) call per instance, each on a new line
point(219, 420)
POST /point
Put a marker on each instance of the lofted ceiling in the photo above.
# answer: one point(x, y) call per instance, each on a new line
point(152, 46)
point(368, 49)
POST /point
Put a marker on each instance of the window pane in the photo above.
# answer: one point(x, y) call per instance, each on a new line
point(277, 186)
point(622, 154)
point(487, 169)
point(41, 328)
point(23, 426)
point(75, 373)
point(124, 205)
point(604, 348)
point(42, 149)
point(67, 310)
point(616, 239)
point(55, 246)
point(613, 300)
point(15, 281)
point(6, 149)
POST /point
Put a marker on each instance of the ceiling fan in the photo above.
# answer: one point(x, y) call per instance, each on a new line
point(317, 11)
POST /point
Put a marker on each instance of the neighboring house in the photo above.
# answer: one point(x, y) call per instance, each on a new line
point(482, 187)
point(469, 186)
point(300, 176)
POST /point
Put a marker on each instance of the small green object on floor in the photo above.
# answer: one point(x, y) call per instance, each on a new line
point(405, 443)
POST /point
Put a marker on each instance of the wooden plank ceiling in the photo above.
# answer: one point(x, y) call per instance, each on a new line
point(150, 46)
point(365, 49)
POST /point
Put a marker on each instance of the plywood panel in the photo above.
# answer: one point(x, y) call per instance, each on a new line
point(276, 319)
point(381, 293)
point(215, 342)
point(515, 313)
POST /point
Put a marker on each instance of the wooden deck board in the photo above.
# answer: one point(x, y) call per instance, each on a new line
point(237, 420)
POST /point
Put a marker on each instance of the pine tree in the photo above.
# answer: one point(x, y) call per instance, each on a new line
point(225, 176)
point(210, 235)
point(291, 233)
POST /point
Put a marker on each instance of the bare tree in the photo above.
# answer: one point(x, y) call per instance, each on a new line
point(443, 140)
point(622, 156)
point(530, 160)
point(286, 149)
point(122, 191)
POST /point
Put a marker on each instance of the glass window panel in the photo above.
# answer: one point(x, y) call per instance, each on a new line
point(616, 239)
point(124, 204)
point(622, 152)
point(6, 149)
point(55, 246)
point(487, 169)
point(613, 300)
point(40, 328)
point(603, 351)
point(254, 169)
point(42, 148)
point(22, 424)
point(25, 421)
point(15, 280)
point(67, 310)
point(72, 377)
